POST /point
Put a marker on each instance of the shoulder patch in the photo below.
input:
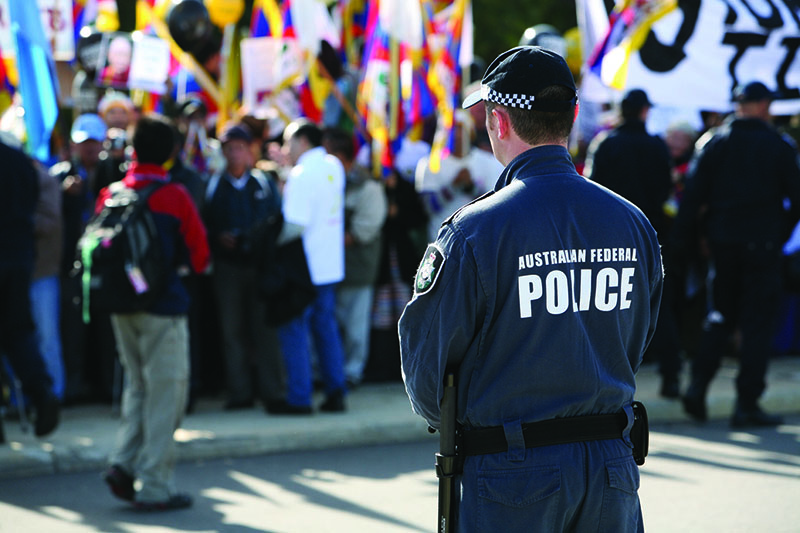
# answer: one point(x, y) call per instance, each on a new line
point(429, 269)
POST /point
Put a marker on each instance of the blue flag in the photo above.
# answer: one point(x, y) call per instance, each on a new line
point(37, 80)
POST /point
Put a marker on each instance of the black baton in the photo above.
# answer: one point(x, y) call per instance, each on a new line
point(447, 467)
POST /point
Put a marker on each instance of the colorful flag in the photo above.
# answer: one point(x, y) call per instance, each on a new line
point(37, 80)
point(267, 19)
point(7, 89)
point(629, 23)
point(444, 77)
point(84, 12)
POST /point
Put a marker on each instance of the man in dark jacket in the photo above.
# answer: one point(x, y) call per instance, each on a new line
point(154, 344)
point(735, 194)
point(237, 204)
point(636, 165)
point(20, 185)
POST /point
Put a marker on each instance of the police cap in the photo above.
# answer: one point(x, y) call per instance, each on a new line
point(516, 77)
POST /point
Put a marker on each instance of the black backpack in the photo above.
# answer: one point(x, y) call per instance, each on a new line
point(122, 265)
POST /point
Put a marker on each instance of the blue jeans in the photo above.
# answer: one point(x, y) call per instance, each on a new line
point(354, 315)
point(318, 322)
point(45, 309)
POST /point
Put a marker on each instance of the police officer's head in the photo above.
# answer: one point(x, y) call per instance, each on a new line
point(532, 89)
point(752, 100)
point(153, 139)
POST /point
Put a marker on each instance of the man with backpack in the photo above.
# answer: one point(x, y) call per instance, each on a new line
point(153, 343)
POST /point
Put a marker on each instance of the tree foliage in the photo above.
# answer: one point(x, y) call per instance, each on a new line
point(499, 25)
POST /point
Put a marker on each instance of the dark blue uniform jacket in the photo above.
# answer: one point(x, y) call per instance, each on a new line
point(546, 300)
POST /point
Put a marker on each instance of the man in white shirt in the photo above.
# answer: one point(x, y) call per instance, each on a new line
point(465, 174)
point(313, 206)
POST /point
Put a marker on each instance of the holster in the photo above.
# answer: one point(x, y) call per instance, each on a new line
point(640, 433)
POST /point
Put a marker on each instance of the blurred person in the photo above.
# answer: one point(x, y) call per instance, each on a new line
point(364, 214)
point(735, 195)
point(345, 82)
point(236, 204)
point(404, 238)
point(18, 205)
point(465, 174)
point(89, 350)
point(196, 283)
point(114, 158)
point(46, 284)
point(154, 344)
point(313, 207)
point(636, 165)
point(117, 110)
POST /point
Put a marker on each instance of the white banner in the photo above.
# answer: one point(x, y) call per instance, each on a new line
point(697, 54)
point(269, 66)
point(56, 22)
point(149, 64)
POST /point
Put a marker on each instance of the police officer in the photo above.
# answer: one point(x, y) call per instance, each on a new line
point(542, 296)
point(735, 192)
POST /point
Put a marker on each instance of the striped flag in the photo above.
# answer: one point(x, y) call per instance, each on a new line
point(629, 24)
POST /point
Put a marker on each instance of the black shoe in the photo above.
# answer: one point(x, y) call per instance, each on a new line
point(334, 403)
point(120, 482)
point(283, 408)
point(47, 414)
point(754, 417)
point(670, 388)
point(237, 405)
point(176, 501)
point(695, 407)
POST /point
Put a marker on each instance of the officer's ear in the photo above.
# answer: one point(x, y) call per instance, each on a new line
point(502, 122)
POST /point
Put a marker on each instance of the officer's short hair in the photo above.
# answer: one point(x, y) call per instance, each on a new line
point(541, 127)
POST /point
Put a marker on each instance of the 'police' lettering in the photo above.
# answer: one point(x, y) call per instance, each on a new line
point(607, 290)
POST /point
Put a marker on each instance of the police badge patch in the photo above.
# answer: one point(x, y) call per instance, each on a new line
point(428, 271)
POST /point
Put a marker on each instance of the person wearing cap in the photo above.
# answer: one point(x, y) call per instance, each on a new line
point(88, 350)
point(734, 200)
point(236, 203)
point(637, 166)
point(541, 298)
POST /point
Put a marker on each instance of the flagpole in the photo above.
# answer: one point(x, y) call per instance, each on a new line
point(394, 87)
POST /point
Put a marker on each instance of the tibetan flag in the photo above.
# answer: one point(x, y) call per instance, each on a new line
point(267, 19)
point(629, 24)
point(84, 12)
point(444, 78)
point(6, 87)
point(37, 80)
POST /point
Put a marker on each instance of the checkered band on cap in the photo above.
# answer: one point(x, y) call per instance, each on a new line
point(512, 100)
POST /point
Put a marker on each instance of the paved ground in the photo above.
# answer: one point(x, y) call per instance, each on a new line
point(377, 413)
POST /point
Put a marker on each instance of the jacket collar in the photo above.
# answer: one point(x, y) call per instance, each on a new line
point(146, 171)
point(546, 159)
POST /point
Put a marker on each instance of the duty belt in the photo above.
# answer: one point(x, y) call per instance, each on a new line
point(545, 433)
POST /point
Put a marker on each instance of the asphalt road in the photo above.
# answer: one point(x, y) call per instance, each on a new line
point(697, 478)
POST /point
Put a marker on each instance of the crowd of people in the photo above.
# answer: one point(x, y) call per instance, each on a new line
point(237, 182)
point(303, 205)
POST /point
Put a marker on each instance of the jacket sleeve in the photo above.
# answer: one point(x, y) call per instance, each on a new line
point(440, 325)
point(193, 232)
point(370, 213)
